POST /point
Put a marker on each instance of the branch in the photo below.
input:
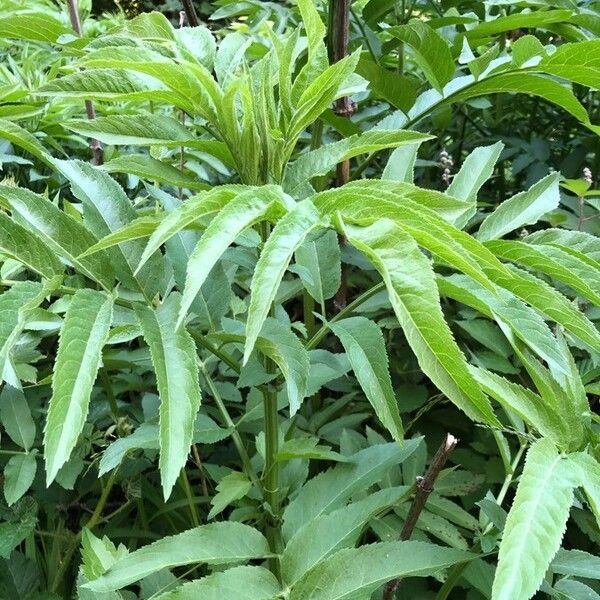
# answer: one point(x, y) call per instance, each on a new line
point(190, 13)
point(424, 488)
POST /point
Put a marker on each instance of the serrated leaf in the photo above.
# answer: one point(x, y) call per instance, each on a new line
point(289, 233)
point(19, 474)
point(215, 544)
point(245, 210)
point(364, 345)
point(431, 52)
point(401, 163)
point(232, 487)
point(20, 244)
point(307, 448)
point(151, 169)
point(576, 563)
point(411, 286)
point(63, 234)
point(145, 436)
point(554, 262)
point(174, 358)
point(23, 139)
point(83, 334)
point(106, 209)
point(32, 26)
point(16, 417)
point(585, 56)
point(535, 524)
point(241, 583)
point(323, 159)
point(339, 529)
point(524, 208)
point(356, 573)
point(476, 169)
point(331, 489)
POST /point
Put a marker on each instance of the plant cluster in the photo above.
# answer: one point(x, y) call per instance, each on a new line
point(251, 276)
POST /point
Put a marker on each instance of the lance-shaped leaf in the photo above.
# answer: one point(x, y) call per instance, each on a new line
point(553, 261)
point(215, 544)
point(535, 524)
point(524, 208)
point(32, 26)
point(589, 479)
point(174, 358)
point(60, 232)
point(523, 402)
point(401, 163)
point(410, 281)
point(286, 237)
point(24, 139)
point(318, 263)
point(358, 572)
point(14, 304)
point(151, 169)
point(323, 159)
point(196, 208)
point(241, 583)
point(106, 209)
point(19, 474)
point(363, 342)
point(584, 55)
point(331, 489)
point(580, 241)
point(474, 172)
point(431, 52)
point(524, 322)
point(339, 529)
point(247, 209)
point(83, 334)
point(277, 341)
point(16, 418)
point(551, 303)
point(20, 244)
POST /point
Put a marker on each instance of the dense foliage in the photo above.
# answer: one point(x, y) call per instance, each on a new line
point(250, 278)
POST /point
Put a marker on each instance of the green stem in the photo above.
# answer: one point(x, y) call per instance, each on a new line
point(187, 489)
point(235, 435)
point(314, 341)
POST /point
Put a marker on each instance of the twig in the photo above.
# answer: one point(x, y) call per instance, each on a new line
point(190, 13)
point(424, 488)
point(95, 145)
point(339, 34)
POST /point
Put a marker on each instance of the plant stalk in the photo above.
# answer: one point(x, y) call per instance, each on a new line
point(424, 487)
point(190, 13)
point(95, 145)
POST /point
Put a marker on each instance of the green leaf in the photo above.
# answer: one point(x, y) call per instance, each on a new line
point(20, 244)
point(32, 26)
point(524, 208)
point(533, 20)
point(323, 159)
point(318, 263)
point(106, 209)
point(554, 262)
point(307, 448)
point(241, 583)
point(401, 163)
point(245, 210)
point(16, 417)
point(329, 533)
point(19, 474)
point(588, 473)
point(364, 345)
point(138, 228)
point(314, 27)
point(580, 241)
point(411, 286)
point(83, 334)
point(145, 436)
point(578, 62)
point(22, 138)
point(576, 563)
point(214, 544)
point(332, 489)
point(232, 487)
point(430, 51)
point(61, 233)
point(287, 236)
point(174, 358)
point(151, 169)
point(535, 524)
point(358, 572)
point(476, 169)
point(14, 305)
point(196, 208)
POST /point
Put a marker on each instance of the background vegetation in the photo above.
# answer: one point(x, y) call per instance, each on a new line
point(300, 301)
